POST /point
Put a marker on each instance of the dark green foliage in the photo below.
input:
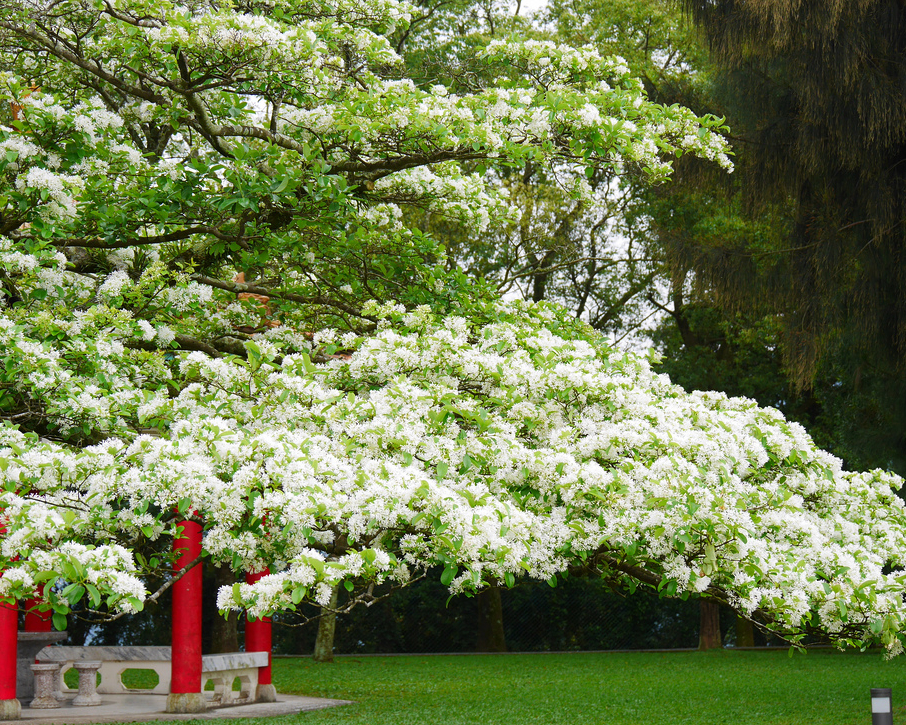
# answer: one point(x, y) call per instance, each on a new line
point(816, 94)
point(725, 352)
point(583, 614)
point(788, 280)
point(855, 408)
point(578, 614)
point(149, 627)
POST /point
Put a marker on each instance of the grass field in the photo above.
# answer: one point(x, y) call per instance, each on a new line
point(722, 687)
point(718, 687)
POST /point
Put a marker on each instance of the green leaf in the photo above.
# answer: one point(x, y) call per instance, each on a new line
point(254, 355)
point(73, 593)
point(449, 574)
point(59, 621)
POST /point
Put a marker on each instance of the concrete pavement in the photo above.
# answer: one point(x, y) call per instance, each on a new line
point(143, 708)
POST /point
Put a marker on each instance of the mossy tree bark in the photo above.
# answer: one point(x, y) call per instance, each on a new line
point(327, 627)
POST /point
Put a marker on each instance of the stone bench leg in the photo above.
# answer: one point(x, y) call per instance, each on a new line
point(45, 686)
point(88, 678)
point(58, 683)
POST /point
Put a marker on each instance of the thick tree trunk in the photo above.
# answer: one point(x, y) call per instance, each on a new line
point(745, 633)
point(490, 621)
point(224, 632)
point(327, 627)
point(709, 631)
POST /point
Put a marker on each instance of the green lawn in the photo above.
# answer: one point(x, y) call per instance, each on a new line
point(713, 688)
point(736, 688)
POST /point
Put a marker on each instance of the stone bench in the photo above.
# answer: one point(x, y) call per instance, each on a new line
point(224, 669)
point(220, 669)
point(114, 661)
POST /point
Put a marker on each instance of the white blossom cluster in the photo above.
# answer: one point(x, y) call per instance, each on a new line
point(54, 186)
point(518, 444)
point(575, 106)
point(498, 450)
point(465, 198)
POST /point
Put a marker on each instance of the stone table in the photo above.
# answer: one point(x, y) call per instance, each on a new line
point(30, 643)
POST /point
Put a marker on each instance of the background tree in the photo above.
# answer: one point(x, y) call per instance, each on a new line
point(814, 94)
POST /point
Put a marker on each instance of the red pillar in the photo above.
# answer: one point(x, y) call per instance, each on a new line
point(9, 640)
point(10, 709)
point(36, 621)
point(185, 664)
point(258, 639)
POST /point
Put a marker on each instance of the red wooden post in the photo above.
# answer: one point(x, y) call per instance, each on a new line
point(36, 621)
point(10, 709)
point(258, 639)
point(185, 664)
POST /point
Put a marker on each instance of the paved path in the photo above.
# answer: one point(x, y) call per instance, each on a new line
point(142, 708)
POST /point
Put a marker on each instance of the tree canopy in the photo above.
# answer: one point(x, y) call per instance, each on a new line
point(215, 308)
point(815, 92)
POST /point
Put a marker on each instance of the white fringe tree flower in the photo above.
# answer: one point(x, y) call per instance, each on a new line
point(215, 301)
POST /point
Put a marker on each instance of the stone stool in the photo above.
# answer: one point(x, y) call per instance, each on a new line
point(88, 683)
point(45, 685)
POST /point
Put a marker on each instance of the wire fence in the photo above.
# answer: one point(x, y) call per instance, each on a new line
point(577, 615)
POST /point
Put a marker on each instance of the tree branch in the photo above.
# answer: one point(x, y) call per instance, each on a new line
point(166, 585)
point(240, 288)
point(157, 239)
point(93, 67)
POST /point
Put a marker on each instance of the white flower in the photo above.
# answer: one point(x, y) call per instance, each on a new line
point(165, 335)
point(114, 285)
point(148, 331)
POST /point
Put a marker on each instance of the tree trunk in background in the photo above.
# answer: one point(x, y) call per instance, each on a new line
point(745, 633)
point(225, 632)
point(490, 621)
point(709, 632)
point(327, 627)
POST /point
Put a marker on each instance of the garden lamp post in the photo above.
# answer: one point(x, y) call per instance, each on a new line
point(881, 711)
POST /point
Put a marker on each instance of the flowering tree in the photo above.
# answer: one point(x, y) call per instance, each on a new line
point(329, 423)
